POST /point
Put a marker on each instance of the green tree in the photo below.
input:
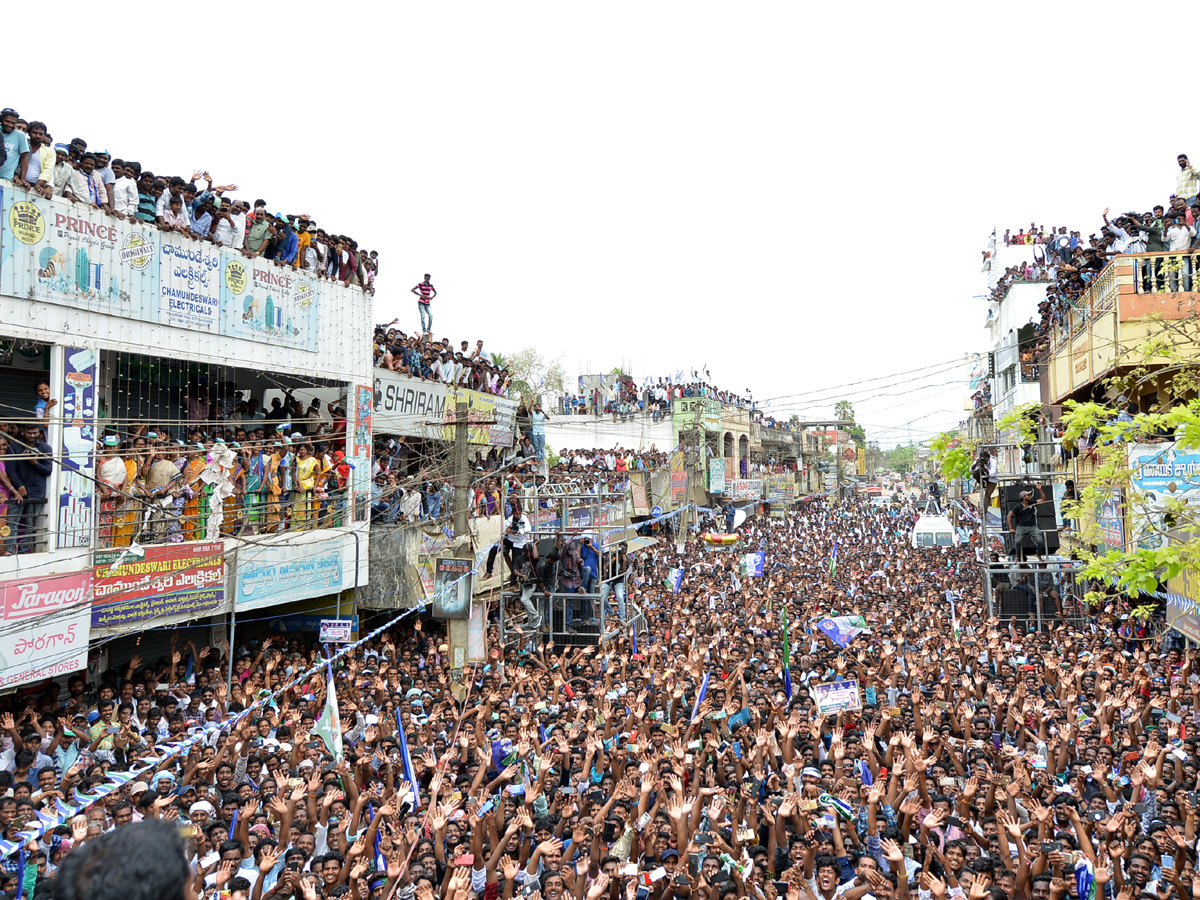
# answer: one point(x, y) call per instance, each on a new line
point(1160, 531)
point(953, 455)
point(900, 458)
point(533, 374)
point(843, 410)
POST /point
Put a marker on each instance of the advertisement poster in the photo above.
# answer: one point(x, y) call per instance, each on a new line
point(1159, 473)
point(336, 631)
point(189, 274)
point(836, 696)
point(163, 581)
point(70, 255)
point(492, 419)
point(284, 573)
point(451, 590)
point(359, 450)
point(716, 476)
point(46, 627)
point(261, 301)
point(77, 447)
point(1109, 522)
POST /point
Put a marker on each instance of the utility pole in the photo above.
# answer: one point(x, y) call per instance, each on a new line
point(462, 504)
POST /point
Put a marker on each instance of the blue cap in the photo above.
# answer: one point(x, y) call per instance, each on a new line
point(93, 717)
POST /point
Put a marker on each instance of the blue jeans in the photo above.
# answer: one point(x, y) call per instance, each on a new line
point(426, 316)
point(535, 615)
point(539, 445)
point(589, 580)
point(605, 589)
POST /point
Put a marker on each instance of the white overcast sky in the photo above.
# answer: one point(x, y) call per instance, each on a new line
point(795, 194)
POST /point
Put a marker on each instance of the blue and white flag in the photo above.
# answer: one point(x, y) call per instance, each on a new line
point(843, 629)
point(700, 696)
point(754, 563)
point(674, 580)
point(406, 761)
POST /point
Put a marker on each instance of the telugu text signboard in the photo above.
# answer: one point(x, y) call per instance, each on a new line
point(1159, 474)
point(189, 276)
point(164, 581)
point(266, 575)
point(47, 624)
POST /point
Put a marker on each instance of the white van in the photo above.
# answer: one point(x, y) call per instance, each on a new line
point(934, 531)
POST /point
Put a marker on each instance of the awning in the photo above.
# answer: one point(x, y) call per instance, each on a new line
point(641, 543)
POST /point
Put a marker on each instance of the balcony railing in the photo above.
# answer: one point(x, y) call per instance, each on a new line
point(1166, 273)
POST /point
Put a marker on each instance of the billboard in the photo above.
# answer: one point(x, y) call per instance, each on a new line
point(1109, 522)
point(1183, 599)
point(678, 487)
point(452, 588)
point(47, 624)
point(70, 255)
point(408, 406)
point(266, 575)
point(262, 301)
point(163, 580)
point(493, 419)
point(1159, 474)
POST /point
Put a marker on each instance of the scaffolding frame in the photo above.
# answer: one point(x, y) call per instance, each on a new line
point(568, 501)
point(1024, 570)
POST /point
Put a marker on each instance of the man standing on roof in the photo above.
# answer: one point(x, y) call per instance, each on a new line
point(425, 292)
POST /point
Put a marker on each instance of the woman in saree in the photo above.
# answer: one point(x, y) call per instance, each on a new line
point(113, 477)
point(195, 510)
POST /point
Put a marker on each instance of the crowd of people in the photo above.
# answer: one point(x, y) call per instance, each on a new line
point(1072, 263)
point(422, 357)
point(32, 159)
point(620, 396)
point(226, 468)
point(702, 755)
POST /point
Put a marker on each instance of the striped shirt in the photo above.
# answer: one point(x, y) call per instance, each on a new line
point(146, 207)
point(426, 292)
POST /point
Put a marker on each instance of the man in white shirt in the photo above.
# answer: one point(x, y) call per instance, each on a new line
point(39, 170)
point(1178, 239)
point(230, 228)
point(125, 192)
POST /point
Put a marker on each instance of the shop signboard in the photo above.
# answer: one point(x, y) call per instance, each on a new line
point(47, 624)
point(134, 585)
point(270, 574)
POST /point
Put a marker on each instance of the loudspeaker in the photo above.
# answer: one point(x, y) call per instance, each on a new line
point(1011, 603)
point(1047, 515)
